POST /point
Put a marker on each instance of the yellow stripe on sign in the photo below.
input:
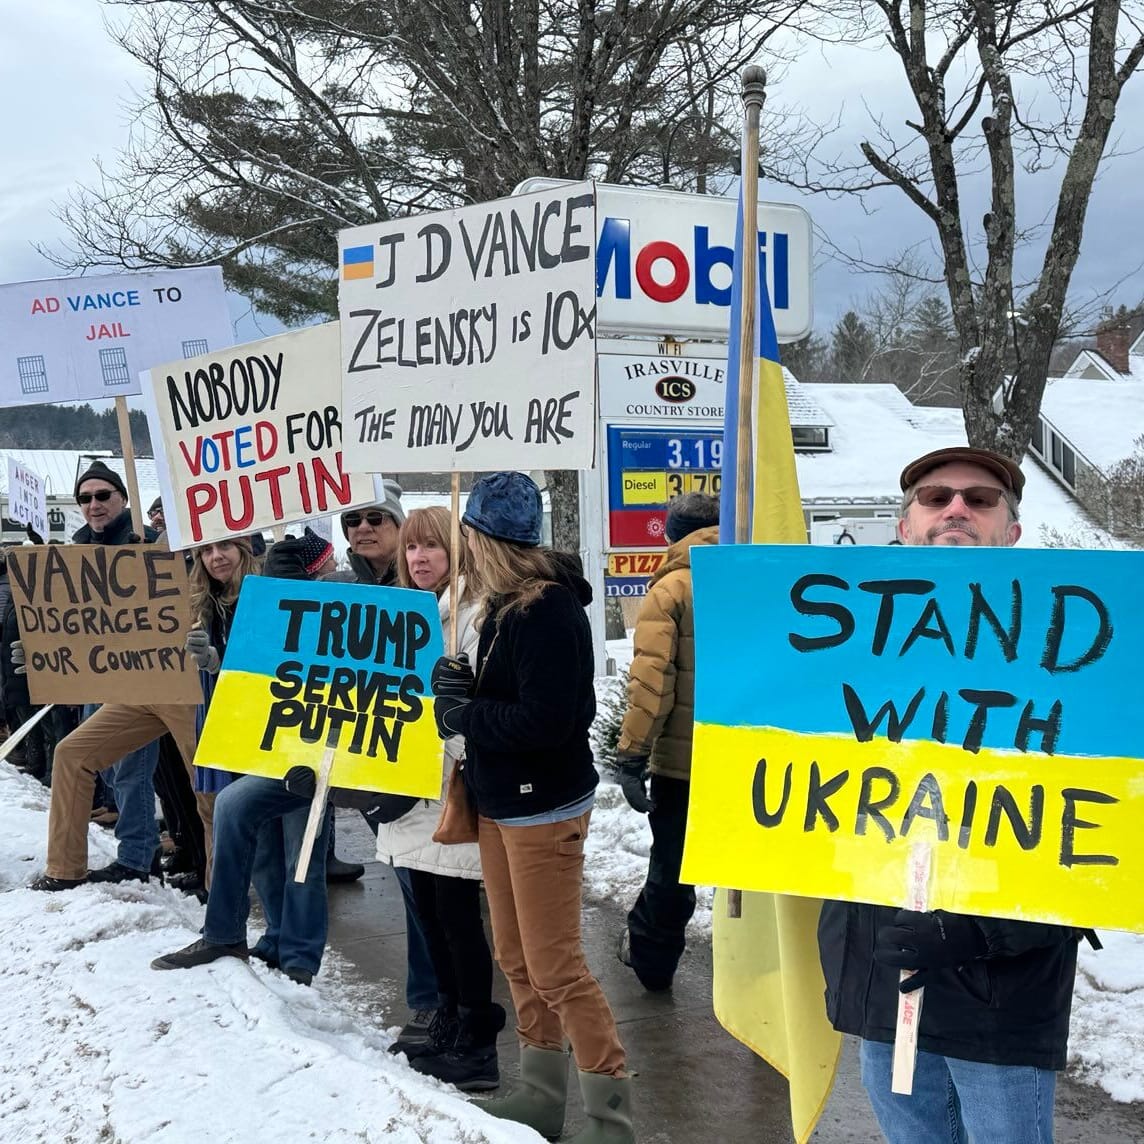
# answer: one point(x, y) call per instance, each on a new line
point(249, 731)
point(1052, 838)
point(645, 488)
point(355, 270)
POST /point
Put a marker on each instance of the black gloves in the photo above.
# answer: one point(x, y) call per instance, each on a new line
point(285, 561)
point(301, 782)
point(633, 779)
point(452, 675)
point(929, 943)
point(452, 683)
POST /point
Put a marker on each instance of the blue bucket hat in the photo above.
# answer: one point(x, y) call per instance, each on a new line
point(506, 506)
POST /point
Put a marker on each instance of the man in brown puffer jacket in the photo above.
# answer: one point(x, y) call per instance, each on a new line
point(656, 738)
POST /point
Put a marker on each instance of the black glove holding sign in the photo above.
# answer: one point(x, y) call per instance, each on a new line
point(632, 776)
point(929, 943)
point(302, 782)
point(452, 684)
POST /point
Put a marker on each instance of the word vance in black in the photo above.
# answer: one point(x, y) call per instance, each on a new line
point(360, 710)
point(886, 805)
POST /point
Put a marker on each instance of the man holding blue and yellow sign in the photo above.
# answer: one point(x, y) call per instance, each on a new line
point(976, 703)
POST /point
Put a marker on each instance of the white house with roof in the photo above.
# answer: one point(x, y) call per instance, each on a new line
point(1092, 417)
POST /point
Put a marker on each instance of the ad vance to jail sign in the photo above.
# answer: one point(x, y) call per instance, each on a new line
point(468, 336)
point(852, 702)
point(312, 666)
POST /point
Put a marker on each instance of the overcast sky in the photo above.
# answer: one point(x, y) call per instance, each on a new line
point(65, 88)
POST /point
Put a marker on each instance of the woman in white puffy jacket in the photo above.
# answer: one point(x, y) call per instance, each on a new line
point(446, 878)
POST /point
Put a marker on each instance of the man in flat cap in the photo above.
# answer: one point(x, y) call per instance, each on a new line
point(994, 1026)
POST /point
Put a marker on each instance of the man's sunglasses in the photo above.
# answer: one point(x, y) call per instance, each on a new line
point(101, 496)
point(977, 497)
point(374, 519)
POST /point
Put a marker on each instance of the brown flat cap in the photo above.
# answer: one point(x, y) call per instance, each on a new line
point(1006, 471)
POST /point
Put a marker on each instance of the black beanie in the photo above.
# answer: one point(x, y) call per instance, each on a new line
point(688, 514)
point(100, 472)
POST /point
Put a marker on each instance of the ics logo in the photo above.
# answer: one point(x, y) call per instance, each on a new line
point(675, 389)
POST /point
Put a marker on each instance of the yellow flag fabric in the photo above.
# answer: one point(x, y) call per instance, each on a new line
point(768, 983)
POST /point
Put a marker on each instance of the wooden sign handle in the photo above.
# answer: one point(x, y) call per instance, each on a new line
point(910, 1004)
point(127, 445)
point(454, 556)
point(21, 732)
point(314, 822)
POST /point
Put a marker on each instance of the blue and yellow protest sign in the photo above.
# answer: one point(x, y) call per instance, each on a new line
point(860, 700)
point(312, 666)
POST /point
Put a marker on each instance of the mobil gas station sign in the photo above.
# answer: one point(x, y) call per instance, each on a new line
point(663, 262)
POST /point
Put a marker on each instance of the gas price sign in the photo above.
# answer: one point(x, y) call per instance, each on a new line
point(647, 468)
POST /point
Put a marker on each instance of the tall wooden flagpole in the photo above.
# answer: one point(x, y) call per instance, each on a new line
point(754, 92)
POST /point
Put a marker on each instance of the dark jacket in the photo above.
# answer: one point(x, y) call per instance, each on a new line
point(13, 688)
point(526, 729)
point(1012, 1008)
point(119, 531)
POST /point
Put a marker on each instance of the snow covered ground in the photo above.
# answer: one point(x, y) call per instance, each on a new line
point(96, 1046)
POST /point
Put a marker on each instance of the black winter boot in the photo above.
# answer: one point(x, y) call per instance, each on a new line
point(440, 1036)
point(471, 1063)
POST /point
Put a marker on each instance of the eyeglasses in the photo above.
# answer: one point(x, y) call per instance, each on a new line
point(155, 512)
point(101, 495)
point(374, 518)
point(977, 497)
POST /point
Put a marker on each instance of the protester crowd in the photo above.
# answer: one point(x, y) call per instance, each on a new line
point(513, 705)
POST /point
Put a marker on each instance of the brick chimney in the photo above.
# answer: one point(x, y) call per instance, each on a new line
point(1112, 344)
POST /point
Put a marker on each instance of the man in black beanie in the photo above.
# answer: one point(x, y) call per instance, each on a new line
point(656, 739)
point(102, 498)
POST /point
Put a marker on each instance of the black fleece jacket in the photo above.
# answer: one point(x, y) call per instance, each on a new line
point(1011, 1008)
point(526, 729)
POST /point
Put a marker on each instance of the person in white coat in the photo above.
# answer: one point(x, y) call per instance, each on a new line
point(461, 1048)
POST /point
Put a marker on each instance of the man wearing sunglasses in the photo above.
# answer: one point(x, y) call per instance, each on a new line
point(102, 498)
point(995, 1022)
point(372, 536)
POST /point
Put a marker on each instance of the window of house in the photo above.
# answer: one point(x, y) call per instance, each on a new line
point(1055, 446)
point(1038, 440)
point(1068, 466)
point(810, 437)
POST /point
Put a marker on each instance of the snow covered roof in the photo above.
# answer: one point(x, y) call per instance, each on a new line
point(877, 431)
point(1102, 420)
point(805, 412)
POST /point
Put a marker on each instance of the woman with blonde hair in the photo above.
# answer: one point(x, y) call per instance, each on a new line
point(445, 879)
point(525, 712)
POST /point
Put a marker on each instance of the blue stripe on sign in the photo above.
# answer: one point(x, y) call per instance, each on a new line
point(356, 254)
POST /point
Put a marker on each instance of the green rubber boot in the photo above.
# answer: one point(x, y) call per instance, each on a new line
point(608, 1106)
point(539, 1097)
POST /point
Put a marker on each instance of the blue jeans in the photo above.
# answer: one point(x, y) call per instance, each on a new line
point(958, 1102)
point(421, 990)
point(132, 781)
point(258, 828)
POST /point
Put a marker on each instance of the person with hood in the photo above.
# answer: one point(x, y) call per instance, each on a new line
point(524, 709)
point(656, 738)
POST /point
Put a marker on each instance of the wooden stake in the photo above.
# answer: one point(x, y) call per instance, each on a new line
point(21, 732)
point(910, 1004)
point(314, 822)
point(454, 556)
point(754, 92)
point(128, 446)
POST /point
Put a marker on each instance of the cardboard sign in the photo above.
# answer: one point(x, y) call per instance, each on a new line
point(468, 337)
point(84, 339)
point(251, 437)
point(27, 498)
point(853, 701)
point(104, 625)
point(316, 665)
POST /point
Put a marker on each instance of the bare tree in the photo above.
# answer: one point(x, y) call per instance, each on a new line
point(272, 124)
point(981, 75)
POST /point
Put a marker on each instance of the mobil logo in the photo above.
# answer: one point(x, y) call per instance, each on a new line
point(663, 262)
point(665, 271)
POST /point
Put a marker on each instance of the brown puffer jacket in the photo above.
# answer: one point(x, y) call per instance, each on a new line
point(661, 688)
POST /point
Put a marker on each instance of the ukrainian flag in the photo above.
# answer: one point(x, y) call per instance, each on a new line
point(768, 985)
point(357, 262)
